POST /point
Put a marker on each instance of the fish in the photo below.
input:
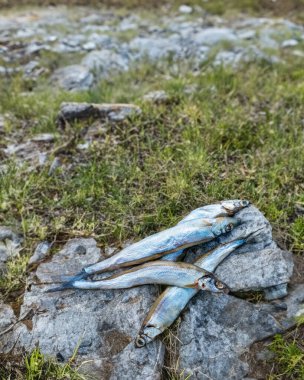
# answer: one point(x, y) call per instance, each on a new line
point(156, 272)
point(165, 242)
point(222, 209)
point(168, 306)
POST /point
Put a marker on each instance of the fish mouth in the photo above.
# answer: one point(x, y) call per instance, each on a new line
point(234, 206)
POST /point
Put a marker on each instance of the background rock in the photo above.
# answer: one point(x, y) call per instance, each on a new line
point(10, 245)
point(73, 78)
point(80, 111)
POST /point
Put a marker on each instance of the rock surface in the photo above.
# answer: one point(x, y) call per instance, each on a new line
point(80, 111)
point(10, 244)
point(215, 330)
point(73, 78)
point(97, 43)
point(226, 326)
point(104, 324)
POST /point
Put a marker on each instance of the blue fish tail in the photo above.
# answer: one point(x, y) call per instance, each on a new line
point(69, 284)
point(66, 285)
point(83, 275)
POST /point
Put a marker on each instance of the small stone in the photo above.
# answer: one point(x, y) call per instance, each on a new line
point(54, 165)
point(89, 46)
point(185, 9)
point(156, 96)
point(2, 123)
point(10, 245)
point(211, 36)
point(30, 67)
point(73, 78)
point(289, 43)
point(246, 34)
point(275, 292)
point(104, 61)
point(44, 137)
point(7, 317)
point(40, 253)
point(80, 111)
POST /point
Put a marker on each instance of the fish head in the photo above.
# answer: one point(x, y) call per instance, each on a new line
point(147, 334)
point(235, 205)
point(224, 225)
point(212, 284)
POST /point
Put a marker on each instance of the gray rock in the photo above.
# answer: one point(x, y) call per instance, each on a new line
point(81, 111)
point(56, 163)
point(105, 60)
point(73, 78)
point(40, 253)
point(44, 137)
point(155, 47)
point(225, 326)
point(185, 9)
point(103, 323)
point(216, 331)
point(7, 318)
point(2, 123)
point(274, 292)
point(248, 34)
point(10, 245)
point(156, 96)
point(295, 306)
point(211, 36)
point(259, 264)
point(289, 43)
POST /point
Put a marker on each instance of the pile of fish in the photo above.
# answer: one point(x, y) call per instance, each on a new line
point(157, 260)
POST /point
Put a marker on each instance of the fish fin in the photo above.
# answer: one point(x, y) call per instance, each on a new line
point(191, 286)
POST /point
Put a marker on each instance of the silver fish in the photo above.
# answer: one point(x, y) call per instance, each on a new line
point(168, 241)
point(222, 209)
point(168, 306)
point(156, 272)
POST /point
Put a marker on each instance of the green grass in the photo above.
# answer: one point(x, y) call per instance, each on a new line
point(289, 354)
point(36, 366)
point(239, 134)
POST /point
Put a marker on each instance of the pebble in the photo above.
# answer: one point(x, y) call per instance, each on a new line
point(289, 43)
point(186, 9)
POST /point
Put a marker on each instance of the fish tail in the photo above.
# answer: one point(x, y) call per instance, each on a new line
point(66, 278)
point(66, 285)
point(69, 281)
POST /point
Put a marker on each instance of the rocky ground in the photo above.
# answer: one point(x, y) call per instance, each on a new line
point(100, 43)
point(98, 110)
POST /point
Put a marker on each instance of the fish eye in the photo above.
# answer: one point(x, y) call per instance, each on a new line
point(219, 285)
point(245, 203)
point(229, 227)
point(140, 342)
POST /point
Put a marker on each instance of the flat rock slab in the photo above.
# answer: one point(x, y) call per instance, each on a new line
point(81, 111)
point(258, 265)
point(73, 78)
point(216, 330)
point(102, 323)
